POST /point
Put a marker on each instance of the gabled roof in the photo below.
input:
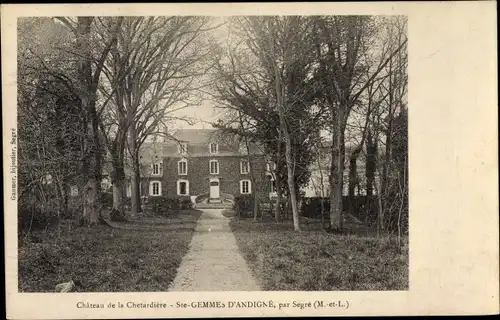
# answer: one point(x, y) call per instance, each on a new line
point(198, 141)
point(195, 136)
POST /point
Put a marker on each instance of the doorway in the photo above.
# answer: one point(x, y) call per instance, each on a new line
point(214, 189)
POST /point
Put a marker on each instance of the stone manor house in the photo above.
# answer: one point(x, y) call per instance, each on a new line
point(201, 163)
point(204, 164)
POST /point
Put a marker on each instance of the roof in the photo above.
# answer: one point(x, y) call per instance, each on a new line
point(198, 141)
point(195, 136)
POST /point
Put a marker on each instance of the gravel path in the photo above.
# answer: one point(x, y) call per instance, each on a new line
point(213, 262)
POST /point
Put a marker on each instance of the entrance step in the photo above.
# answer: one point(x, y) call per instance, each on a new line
point(213, 206)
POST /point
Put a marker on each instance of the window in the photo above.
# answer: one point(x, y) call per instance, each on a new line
point(245, 187)
point(182, 148)
point(214, 167)
point(182, 167)
point(244, 166)
point(156, 169)
point(214, 148)
point(182, 187)
point(155, 188)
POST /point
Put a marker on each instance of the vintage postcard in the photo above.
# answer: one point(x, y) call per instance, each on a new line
point(250, 159)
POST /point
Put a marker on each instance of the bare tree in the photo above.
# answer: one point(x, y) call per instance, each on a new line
point(152, 72)
point(392, 118)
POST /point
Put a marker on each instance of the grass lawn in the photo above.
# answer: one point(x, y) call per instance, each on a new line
point(140, 255)
point(310, 260)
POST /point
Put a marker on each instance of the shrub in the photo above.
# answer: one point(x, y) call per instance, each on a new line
point(107, 200)
point(311, 207)
point(116, 215)
point(158, 204)
point(243, 205)
point(128, 201)
point(33, 217)
point(161, 205)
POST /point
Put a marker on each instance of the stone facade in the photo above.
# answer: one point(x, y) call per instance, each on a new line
point(201, 163)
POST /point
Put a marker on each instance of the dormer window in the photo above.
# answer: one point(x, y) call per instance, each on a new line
point(214, 148)
point(182, 167)
point(182, 147)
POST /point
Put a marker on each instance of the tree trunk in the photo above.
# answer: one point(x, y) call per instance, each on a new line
point(279, 196)
point(291, 186)
point(92, 149)
point(118, 180)
point(89, 196)
point(353, 178)
point(97, 150)
point(119, 194)
point(252, 176)
point(135, 187)
point(256, 205)
point(135, 200)
point(371, 162)
point(280, 99)
point(336, 172)
point(322, 186)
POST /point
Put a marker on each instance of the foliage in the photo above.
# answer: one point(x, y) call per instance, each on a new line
point(49, 115)
point(162, 205)
point(32, 218)
point(312, 207)
point(107, 200)
point(243, 206)
point(245, 86)
point(360, 206)
point(394, 196)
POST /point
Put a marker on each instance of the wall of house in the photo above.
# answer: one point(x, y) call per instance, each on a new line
point(198, 175)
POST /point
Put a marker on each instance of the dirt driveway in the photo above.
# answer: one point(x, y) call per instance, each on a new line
point(213, 262)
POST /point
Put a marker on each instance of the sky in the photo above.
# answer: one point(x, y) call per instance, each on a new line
point(202, 115)
point(206, 112)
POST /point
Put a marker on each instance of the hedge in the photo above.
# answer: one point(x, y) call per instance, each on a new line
point(311, 207)
point(163, 204)
point(34, 218)
point(243, 205)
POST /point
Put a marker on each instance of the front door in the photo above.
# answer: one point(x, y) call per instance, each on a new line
point(214, 189)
